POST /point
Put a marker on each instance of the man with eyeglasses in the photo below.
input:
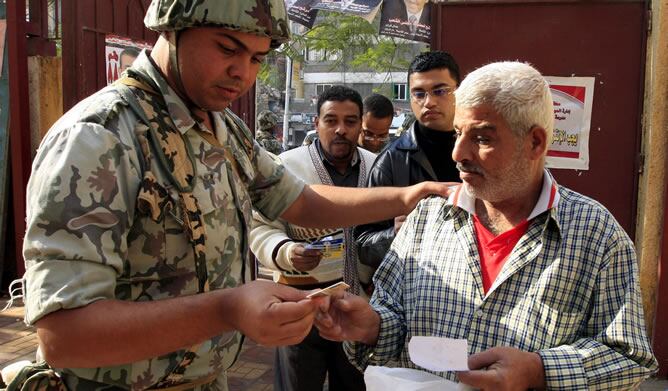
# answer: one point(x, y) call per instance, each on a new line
point(376, 122)
point(423, 153)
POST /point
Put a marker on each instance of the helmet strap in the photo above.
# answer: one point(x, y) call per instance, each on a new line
point(175, 71)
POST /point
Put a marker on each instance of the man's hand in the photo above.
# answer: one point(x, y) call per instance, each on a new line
point(348, 318)
point(304, 259)
point(273, 314)
point(398, 222)
point(504, 368)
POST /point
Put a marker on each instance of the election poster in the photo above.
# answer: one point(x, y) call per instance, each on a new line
point(408, 19)
point(572, 98)
point(3, 29)
point(120, 53)
point(302, 12)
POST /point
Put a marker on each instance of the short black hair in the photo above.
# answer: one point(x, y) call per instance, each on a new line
point(130, 51)
point(427, 61)
point(340, 94)
point(379, 106)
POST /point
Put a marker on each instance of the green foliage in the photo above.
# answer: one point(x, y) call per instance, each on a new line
point(355, 42)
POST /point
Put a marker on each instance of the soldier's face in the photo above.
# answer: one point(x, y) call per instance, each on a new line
point(218, 65)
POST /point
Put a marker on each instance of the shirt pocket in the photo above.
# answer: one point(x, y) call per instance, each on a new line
point(549, 326)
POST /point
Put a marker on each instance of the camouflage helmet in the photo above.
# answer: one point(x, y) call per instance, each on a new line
point(266, 120)
point(266, 18)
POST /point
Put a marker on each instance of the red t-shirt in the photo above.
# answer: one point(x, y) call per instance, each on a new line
point(494, 250)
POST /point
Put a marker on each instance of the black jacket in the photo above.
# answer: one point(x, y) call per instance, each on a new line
point(402, 163)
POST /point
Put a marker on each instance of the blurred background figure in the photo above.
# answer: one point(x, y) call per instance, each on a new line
point(409, 118)
point(127, 57)
point(265, 130)
point(378, 114)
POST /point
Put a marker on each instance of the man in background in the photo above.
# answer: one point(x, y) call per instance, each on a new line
point(378, 115)
point(310, 258)
point(423, 153)
point(266, 130)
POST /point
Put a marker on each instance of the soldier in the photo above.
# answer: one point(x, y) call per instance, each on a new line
point(139, 206)
point(264, 134)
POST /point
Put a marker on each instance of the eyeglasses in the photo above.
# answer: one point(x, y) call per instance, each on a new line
point(368, 136)
point(420, 96)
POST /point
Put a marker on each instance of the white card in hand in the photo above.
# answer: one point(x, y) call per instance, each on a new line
point(439, 354)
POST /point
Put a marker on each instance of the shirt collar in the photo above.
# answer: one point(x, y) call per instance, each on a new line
point(549, 198)
point(178, 111)
point(353, 161)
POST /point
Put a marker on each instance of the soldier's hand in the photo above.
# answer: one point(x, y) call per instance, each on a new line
point(304, 259)
point(273, 314)
point(398, 222)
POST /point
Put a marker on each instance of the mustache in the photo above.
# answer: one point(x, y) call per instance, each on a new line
point(470, 168)
point(341, 140)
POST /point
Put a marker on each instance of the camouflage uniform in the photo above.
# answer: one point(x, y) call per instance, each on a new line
point(88, 238)
point(266, 122)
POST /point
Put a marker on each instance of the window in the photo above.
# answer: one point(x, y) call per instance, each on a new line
point(321, 55)
point(320, 88)
point(400, 92)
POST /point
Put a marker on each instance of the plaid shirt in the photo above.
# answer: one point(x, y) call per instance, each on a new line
point(568, 291)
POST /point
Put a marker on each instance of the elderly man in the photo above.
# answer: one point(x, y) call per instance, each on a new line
point(541, 280)
point(139, 206)
point(296, 253)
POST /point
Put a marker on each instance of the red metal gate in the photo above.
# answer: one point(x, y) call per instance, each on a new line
point(605, 40)
point(86, 24)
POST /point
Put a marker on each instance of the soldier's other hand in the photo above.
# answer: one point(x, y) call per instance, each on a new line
point(413, 194)
point(273, 314)
point(304, 259)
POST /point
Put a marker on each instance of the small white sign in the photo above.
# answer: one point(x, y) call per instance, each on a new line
point(439, 354)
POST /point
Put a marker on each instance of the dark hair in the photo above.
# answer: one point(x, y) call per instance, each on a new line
point(130, 52)
point(427, 61)
point(379, 106)
point(340, 94)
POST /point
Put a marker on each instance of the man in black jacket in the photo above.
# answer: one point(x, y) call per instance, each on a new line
point(423, 153)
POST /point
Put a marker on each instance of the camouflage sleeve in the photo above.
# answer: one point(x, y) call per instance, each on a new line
point(274, 188)
point(81, 199)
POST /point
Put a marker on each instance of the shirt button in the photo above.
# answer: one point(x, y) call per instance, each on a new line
point(479, 313)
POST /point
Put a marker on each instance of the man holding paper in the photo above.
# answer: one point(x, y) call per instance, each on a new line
point(540, 280)
point(307, 258)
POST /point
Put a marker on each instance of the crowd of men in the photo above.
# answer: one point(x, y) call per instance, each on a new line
point(146, 199)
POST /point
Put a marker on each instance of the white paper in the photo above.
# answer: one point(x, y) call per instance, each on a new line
point(439, 354)
point(405, 379)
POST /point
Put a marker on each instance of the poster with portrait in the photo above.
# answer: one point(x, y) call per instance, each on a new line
point(572, 98)
point(300, 11)
point(120, 53)
point(366, 9)
point(408, 19)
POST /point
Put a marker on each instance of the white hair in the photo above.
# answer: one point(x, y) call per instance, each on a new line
point(516, 90)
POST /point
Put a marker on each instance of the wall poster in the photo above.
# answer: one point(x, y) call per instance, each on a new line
point(120, 53)
point(572, 98)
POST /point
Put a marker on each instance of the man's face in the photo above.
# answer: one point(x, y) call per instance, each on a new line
point(414, 6)
point(435, 112)
point(338, 125)
point(126, 61)
point(375, 132)
point(494, 164)
point(219, 65)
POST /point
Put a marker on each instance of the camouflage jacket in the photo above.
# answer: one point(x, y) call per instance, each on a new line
point(268, 142)
point(87, 240)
